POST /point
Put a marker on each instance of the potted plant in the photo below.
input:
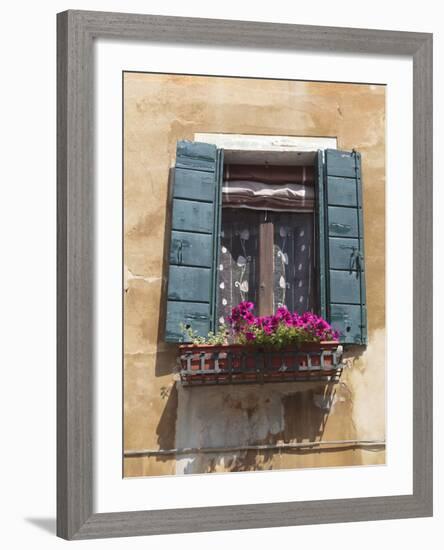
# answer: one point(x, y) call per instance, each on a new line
point(283, 346)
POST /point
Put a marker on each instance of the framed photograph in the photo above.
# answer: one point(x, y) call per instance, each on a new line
point(244, 274)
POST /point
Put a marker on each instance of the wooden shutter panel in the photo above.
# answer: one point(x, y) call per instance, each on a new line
point(193, 244)
point(341, 245)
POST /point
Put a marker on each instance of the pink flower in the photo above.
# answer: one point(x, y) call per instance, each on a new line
point(309, 326)
point(250, 318)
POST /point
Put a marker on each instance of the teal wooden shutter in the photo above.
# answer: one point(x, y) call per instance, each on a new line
point(193, 249)
point(341, 245)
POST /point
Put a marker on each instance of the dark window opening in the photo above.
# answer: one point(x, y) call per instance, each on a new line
point(238, 276)
point(293, 253)
point(267, 248)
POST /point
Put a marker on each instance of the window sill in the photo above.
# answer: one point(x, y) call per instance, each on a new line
point(202, 365)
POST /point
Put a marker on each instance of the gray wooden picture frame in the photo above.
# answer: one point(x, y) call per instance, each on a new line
point(76, 32)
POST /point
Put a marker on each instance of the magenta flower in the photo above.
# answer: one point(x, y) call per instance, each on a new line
point(284, 327)
point(250, 318)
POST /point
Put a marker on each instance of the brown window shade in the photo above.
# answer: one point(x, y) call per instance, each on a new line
point(265, 187)
point(269, 174)
point(290, 196)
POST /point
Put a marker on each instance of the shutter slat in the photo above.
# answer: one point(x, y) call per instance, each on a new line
point(340, 253)
point(191, 284)
point(196, 156)
point(192, 249)
point(193, 216)
point(192, 184)
point(347, 320)
point(192, 252)
point(192, 314)
point(344, 245)
point(341, 163)
point(345, 287)
point(342, 222)
point(341, 191)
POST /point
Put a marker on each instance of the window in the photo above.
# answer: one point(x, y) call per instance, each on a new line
point(276, 229)
point(266, 252)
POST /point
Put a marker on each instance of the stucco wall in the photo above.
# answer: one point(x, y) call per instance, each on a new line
point(160, 414)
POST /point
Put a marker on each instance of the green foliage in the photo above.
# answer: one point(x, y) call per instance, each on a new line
point(218, 338)
point(281, 337)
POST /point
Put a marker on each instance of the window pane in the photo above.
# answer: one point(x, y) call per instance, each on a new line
point(293, 252)
point(238, 259)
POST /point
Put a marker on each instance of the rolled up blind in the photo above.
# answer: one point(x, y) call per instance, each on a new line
point(269, 174)
point(258, 195)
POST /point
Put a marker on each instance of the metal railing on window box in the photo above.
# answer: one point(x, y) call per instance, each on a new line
point(202, 365)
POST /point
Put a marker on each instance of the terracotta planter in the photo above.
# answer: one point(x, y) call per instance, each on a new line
point(236, 363)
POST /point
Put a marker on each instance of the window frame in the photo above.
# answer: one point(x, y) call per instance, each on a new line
point(243, 146)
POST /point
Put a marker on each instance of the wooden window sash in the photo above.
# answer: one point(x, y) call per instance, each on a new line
point(266, 272)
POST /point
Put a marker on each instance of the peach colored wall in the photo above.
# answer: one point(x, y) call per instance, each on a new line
point(160, 414)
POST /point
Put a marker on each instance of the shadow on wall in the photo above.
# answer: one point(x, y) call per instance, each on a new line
point(305, 414)
point(166, 353)
point(231, 417)
point(354, 351)
point(166, 428)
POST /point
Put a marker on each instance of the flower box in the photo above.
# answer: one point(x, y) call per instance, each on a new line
point(240, 364)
